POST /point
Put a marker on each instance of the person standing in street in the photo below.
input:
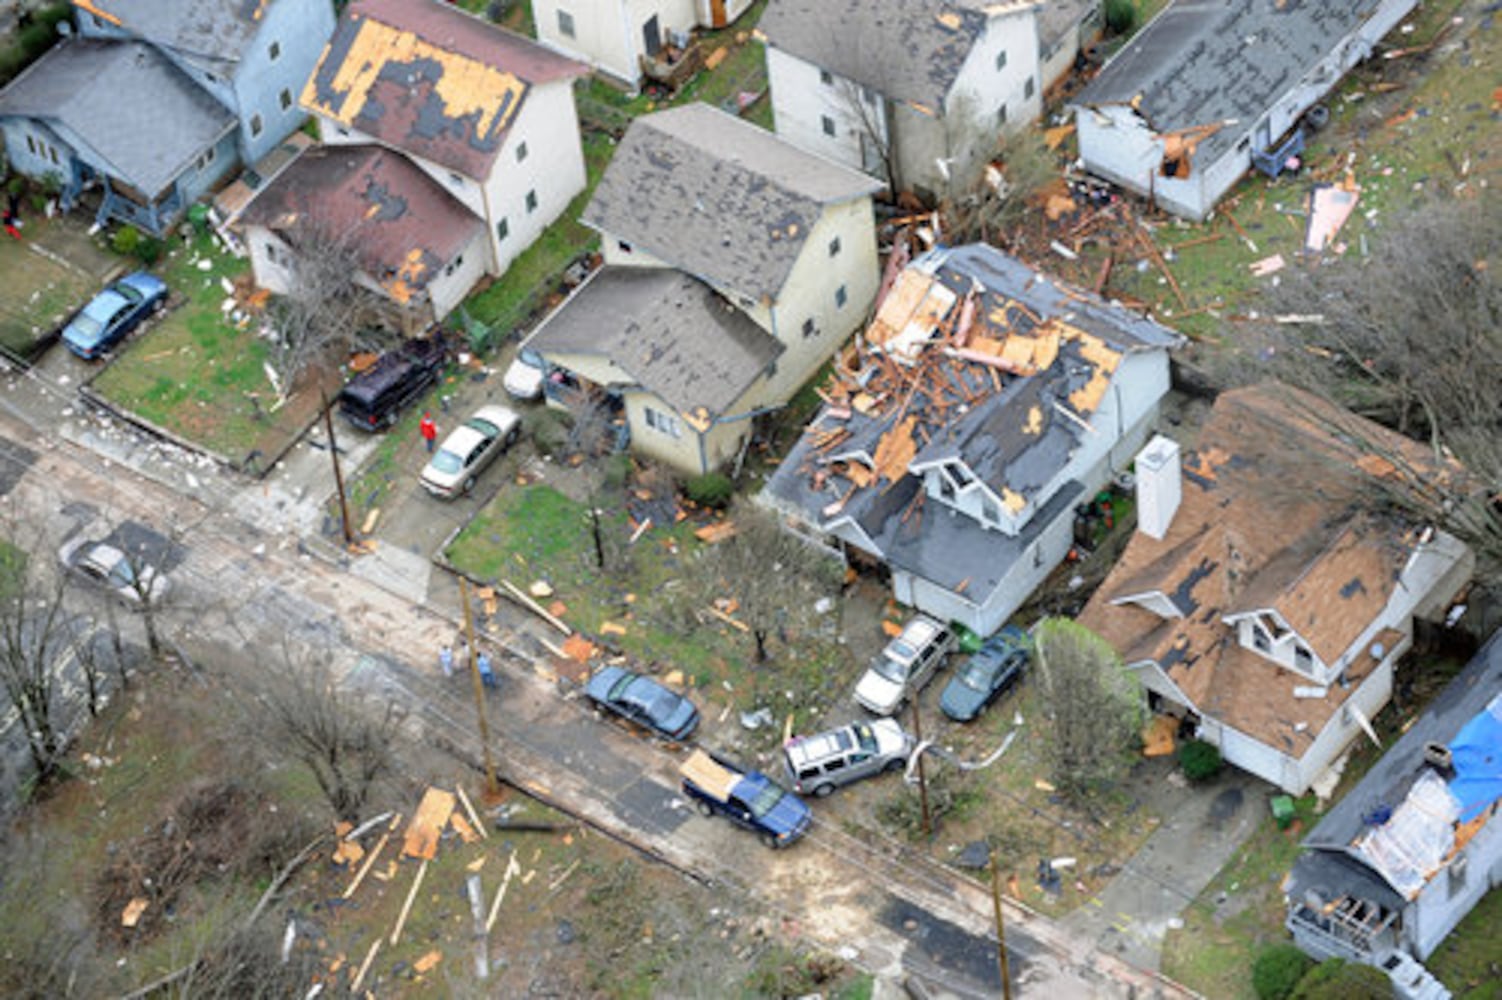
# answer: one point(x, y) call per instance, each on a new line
point(487, 676)
point(428, 429)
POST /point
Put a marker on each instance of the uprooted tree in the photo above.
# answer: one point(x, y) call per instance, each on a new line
point(1094, 707)
point(1411, 336)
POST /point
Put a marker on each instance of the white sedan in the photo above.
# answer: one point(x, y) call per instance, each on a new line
point(469, 448)
point(132, 580)
point(524, 378)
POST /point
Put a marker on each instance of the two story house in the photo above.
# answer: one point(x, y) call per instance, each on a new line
point(1205, 90)
point(615, 35)
point(1398, 862)
point(734, 265)
point(982, 405)
point(154, 107)
point(916, 92)
point(487, 114)
point(1264, 599)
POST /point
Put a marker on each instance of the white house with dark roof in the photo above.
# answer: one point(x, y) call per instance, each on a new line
point(1179, 113)
point(739, 264)
point(153, 107)
point(1261, 599)
point(1398, 862)
point(487, 113)
point(982, 405)
point(614, 35)
point(912, 91)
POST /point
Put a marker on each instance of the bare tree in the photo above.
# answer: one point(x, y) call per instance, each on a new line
point(773, 575)
point(348, 740)
point(995, 202)
point(1094, 706)
point(591, 443)
point(34, 639)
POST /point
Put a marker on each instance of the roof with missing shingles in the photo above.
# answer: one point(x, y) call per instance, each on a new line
point(430, 80)
point(218, 29)
point(718, 197)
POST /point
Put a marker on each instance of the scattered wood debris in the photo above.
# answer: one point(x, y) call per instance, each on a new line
point(717, 532)
point(427, 824)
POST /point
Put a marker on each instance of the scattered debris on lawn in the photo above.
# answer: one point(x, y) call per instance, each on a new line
point(1330, 205)
point(427, 824)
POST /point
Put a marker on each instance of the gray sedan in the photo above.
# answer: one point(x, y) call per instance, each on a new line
point(104, 566)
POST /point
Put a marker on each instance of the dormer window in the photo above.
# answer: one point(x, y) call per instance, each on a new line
point(946, 488)
point(958, 473)
point(989, 512)
point(1303, 659)
point(1261, 640)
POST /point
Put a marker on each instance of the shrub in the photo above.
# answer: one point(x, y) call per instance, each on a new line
point(1121, 16)
point(712, 490)
point(549, 432)
point(1199, 760)
point(126, 240)
point(1336, 979)
point(1277, 971)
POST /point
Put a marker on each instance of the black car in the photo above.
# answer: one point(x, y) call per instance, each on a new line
point(373, 399)
point(642, 701)
point(991, 672)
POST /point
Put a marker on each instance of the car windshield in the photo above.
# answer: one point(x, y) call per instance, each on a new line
point(482, 427)
point(127, 292)
point(765, 800)
point(866, 737)
point(901, 649)
point(977, 673)
point(890, 669)
point(529, 357)
point(120, 574)
point(447, 461)
point(658, 702)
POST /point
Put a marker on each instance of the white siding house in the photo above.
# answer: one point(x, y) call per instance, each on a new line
point(614, 35)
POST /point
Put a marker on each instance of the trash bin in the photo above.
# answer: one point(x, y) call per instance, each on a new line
point(198, 216)
point(1283, 811)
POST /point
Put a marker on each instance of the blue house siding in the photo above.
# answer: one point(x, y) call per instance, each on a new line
point(35, 149)
point(298, 33)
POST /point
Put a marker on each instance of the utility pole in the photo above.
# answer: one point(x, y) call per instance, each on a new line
point(928, 827)
point(1001, 935)
point(492, 789)
point(328, 424)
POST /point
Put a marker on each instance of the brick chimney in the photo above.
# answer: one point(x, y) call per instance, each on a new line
point(1158, 486)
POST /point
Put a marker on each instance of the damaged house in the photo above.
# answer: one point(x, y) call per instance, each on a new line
point(153, 104)
point(1265, 598)
point(1393, 867)
point(983, 404)
point(734, 266)
point(1207, 90)
point(617, 36)
point(487, 114)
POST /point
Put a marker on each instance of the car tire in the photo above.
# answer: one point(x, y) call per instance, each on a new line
point(512, 435)
point(896, 764)
point(768, 841)
point(705, 809)
point(469, 484)
point(823, 791)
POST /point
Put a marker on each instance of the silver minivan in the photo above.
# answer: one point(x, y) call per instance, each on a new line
point(816, 765)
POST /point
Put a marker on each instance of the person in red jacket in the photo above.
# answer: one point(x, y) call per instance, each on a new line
point(428, 429)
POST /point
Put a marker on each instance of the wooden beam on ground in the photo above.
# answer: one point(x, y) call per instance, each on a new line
point(370, 861)
point(401, 920)
point(474, 817)
point(537, 609)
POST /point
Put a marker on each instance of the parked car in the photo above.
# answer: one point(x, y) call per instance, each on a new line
point(906, 664)
point(469, 448)
point(816, 765)
point(374, 398)
point(103, 565)
point(989, 673)
point(113, 313)
point(643, 701)
point(749, 799)
point(524, 378)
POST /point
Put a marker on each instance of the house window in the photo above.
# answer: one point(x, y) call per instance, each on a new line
point(454, 265)
point(521, 152)
point(827, 123)
point(341, 130)
point(808, 327)
point(532, 201)
point(98, 21)
point(946, 487)
point(31, 145)
point(565, 24)
point(255, 124)
point(1303, 659)
point(1457, 875)
point(1261, 640)
point(662, 423)
point(286, 98)
point(989, 512)
point(501, 229)
point(456, 180)
point(274, 50)
point(834, 247)
point(272, 253)
point(623, 246)
point(1001, 60)
point(840, 297)
point(52, 153)
point(1001, 114)
point(204, 159)
point(1027, 88)
point(826, 78)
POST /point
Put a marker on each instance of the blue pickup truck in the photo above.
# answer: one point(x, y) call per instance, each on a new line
point(749, 799)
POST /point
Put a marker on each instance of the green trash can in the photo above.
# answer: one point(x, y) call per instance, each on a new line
point(1283, 810)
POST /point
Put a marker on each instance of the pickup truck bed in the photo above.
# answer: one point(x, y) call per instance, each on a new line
point(749, 799)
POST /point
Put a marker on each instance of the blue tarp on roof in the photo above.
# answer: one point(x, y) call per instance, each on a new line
point(1477, 754)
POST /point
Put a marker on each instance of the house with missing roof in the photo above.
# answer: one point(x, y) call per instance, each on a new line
point(1264, 599)
point(734, 266)
point(487, 114)
point(418, 246)
point(1394, 866)
point(615, 35)
point(1181, 112)
point(984, 403)
point(915, 93)
point(154, 106)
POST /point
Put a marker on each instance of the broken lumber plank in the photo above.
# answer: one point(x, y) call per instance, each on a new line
point(1105, 273)
point(354, 987)
point(370, 861)
point(463, 829)
point(401, 919)
point(1250, 244)
point(469, 808)
point(722, 616)
point(427, 824)
point(512, 868)
point(1157, 258)
point(640, 530)
point(537, 609)
point(477, 914)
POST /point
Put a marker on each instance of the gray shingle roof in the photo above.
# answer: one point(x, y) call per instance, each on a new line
point(718, 197)
point(1056, 18)
point(1200, 63)
point(909, 50)
point(129, 103)
point(219, 29)
point(671, 333)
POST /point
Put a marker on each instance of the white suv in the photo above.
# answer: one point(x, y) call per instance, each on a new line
point(906, 664)
point(817, 764)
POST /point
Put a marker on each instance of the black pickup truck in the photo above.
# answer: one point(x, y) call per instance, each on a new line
point(749, 799)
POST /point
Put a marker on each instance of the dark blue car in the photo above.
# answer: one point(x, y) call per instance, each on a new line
point(643, 701)
point(113, 313)
point(749, 799)
point(991, 671)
